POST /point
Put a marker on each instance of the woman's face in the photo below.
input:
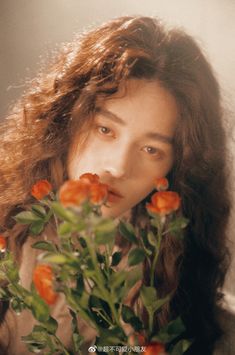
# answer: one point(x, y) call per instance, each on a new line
point(129, 144)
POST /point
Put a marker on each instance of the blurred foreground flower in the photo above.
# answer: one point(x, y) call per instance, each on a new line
point(90, 178)
point(41, 189)
point(87, 188)
point(161, 184)
point(164, 202)
point(43, 281)
point(73, 193)
point(155, 349)
point(3, 244)
point(98, 193)
point(84, 255)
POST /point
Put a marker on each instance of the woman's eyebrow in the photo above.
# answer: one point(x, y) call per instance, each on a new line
point(160, 137)
point(152, 135)
point(112, 116)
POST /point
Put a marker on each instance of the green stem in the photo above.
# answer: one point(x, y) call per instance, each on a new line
point(104, 318)
point(148, 258)
point(153, 268)
point(107, 253)
point(157, 249)
point(101, 282)
point(150, 323)
point(59, 342)
point(50, 213)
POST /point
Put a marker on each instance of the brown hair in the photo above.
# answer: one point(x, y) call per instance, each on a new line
point(36, 137)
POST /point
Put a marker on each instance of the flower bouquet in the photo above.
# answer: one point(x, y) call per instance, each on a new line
point(84, 266)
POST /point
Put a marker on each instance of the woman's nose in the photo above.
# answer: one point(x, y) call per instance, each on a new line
point(115, 172)
point(118, 165)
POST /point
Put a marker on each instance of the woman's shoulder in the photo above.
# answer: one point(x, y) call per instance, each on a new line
point(226, 317)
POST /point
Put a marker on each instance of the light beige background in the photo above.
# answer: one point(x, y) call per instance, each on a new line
point(30, 29)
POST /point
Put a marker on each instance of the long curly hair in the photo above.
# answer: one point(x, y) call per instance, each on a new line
point(36, 136)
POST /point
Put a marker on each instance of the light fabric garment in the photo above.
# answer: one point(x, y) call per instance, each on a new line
point(226, 346)
point(18, 326)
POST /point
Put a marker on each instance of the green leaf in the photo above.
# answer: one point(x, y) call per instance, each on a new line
point(77, 341)
point(37, 227)
point(42, 245)
point(171, 331)
point(128, 232)
point(82, 298)
point(129, 317)
point(56, 258)
point(13, 274)
point(37, 339)
point(35, 347)
point(127, 313)
point(39, 308)
point(63, 213)
point(76, 337)
point(148, 295)
point(39, 210)
point(150, 300)
point(17, 305)
point(102, 238)
point(91, 274)
point(176, 326)
point(66, 244)
point(97, 293)
point(100, 258)
point(3, 293)
point(136, 256)
point(82, 242)
point(117, 279)
point(95, 302)
point(134, 276)
point(106, 226)
point(51, 325)
point(111, 336)
point(156, 219)
point(65, 228)
point(27, 217)
point(181, 347)
point(105, 231)
point(159, 303)
point(16, 290)
point(177, 224)
point(99, 312)
point(73, 300)
point(152, 239)
point(146, 245)
point(80, 286)
point(80, 225)
point(116, 258)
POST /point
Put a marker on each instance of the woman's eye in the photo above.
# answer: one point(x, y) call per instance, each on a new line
point(104, 130)
point(152, 151)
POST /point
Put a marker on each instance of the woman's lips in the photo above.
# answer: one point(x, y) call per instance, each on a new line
point(114, 195)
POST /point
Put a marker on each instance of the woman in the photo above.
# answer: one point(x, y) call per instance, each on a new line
point(130, 101)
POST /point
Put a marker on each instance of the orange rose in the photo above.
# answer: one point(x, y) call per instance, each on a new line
point(74, 192)
point(155, 349)
point(161, 184)
point(164, 202)
point(89, 178)
point(41, 189)
point(98, 193)
point(43, 281)
point(3, 244)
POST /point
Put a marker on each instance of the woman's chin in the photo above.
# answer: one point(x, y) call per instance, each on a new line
point(111, 211)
